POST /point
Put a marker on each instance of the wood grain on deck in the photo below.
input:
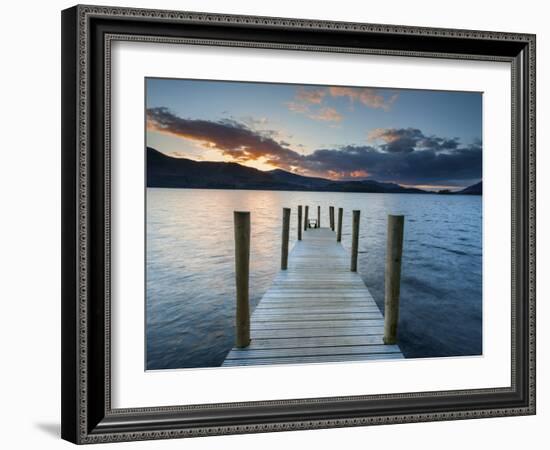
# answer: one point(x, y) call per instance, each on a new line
point(316, 311)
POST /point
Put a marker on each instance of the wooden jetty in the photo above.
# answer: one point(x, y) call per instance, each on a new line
point(316, 311)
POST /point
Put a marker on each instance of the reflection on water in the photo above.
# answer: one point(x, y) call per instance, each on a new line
point(190, 275)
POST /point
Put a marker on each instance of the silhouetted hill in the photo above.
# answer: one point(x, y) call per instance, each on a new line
point(168, 172)
point(370, 186)
point(475, 189)
point(165, 171)
point(292, 178)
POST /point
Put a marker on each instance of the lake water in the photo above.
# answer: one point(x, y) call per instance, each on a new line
point(190, 305)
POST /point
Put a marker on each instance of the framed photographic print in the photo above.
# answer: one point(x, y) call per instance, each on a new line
point(278, 224)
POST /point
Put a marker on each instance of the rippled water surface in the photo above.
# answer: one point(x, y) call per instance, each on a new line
point(190, 302)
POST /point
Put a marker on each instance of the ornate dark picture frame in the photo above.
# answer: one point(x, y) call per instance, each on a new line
point(87, 34)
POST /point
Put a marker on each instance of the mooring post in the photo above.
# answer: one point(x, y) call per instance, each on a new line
point(318, 217)
point(339, 232)
point(355, 240)
point(394, 252)
point(284, 244)
point(331, 217)
point(299, 222)
point(242, 265)
point(306, 218)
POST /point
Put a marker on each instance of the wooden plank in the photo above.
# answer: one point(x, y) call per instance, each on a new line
point(291, 317)
point(306, 301)
point(313, 294)
point(304, 342)
point(321, 293)
point(281, 333)
point(292, 306)
point(316, 303)
point(287, 324)
point(310, 359)
point(315, 311)
point(312, 351)
point(302, 315)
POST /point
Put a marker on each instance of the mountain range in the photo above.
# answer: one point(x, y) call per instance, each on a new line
point(169, 172)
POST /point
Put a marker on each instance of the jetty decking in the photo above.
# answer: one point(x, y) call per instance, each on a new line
point(316, 311)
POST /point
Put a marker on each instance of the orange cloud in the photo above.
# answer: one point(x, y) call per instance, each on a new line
point(327, 114)
point(385, 134)
point(305, 98)
point(359, 174)
point(367, 96)
point(311, 95)
point(232, 139)
point(298, 107)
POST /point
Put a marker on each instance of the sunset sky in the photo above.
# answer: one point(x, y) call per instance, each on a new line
point(429, 139)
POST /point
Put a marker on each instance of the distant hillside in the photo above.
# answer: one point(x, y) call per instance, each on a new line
point(475, 189)
point(168, 172)
point(371, 186)
point(299, 180)
point(165, 171)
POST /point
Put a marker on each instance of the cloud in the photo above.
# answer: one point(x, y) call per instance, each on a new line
point(327, 114)
point(298, 107)
point(255, 122)
point(438, 143)
point(367, 96)
point(406, 140)
point(311, 95)
point(402, 140)
point(308, 101)
point(403, 155)
point(420, 166)
point(230, 137)
point(359, 174)
point(306, 98)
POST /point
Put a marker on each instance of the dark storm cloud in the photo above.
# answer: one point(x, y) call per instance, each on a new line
point(438, 143)
point(413, 167)
point(402, 140)
point(405, 155)
point(407, 140)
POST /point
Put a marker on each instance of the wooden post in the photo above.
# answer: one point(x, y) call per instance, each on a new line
point(299, 222)
point(306, 218)
point(394, 251)
point(284, 244)
point(331, 217)
point(242, 265)
point(318, 217)
point(339, 232)
point(355, 240)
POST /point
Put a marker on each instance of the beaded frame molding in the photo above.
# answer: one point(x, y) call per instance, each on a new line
point(87, 35)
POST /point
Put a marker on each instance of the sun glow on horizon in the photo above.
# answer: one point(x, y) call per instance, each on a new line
point(432, 187)
point(269, 126)
point(259, 164)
